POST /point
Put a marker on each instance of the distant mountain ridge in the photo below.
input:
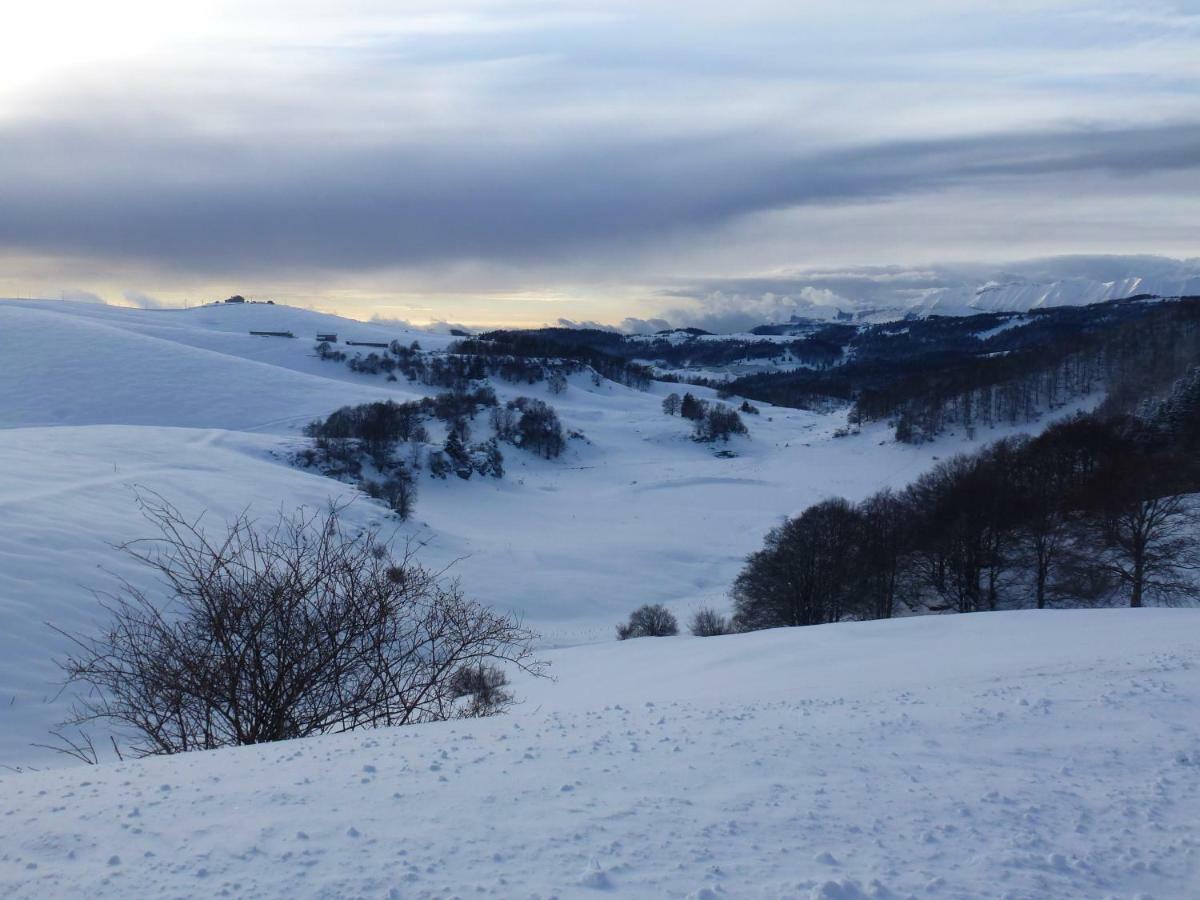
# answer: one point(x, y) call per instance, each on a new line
point(1022, 295)
point(887, 293)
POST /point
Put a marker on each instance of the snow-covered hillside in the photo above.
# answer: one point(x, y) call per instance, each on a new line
point(1010, 754)
point(1017, 755)
point(96, 401)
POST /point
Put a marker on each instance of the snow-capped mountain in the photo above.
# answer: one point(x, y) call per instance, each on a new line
point(1023, 291)
point(877, 294)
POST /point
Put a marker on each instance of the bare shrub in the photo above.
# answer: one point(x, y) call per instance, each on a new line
point(708, 622)
point(718, 423)
point(651, 620)
point(398, 491)
point(484, 686)
point(293, 629)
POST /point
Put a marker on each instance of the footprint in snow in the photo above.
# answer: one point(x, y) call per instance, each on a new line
point(595, 877)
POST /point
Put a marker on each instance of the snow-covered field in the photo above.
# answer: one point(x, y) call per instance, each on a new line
point(97, 401)
point(1023, 755)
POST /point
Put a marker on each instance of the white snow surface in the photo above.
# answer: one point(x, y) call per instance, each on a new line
point(1015, 755)
point(97, 402)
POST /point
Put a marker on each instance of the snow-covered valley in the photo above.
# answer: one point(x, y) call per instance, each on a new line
point(1051, 754)
point(100, 402)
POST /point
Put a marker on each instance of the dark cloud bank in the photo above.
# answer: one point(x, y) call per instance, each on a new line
point(199, 205)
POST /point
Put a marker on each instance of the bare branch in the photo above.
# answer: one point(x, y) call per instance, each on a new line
point(278, 630)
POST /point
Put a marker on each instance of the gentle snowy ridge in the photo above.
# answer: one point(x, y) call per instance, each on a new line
point(996, 755)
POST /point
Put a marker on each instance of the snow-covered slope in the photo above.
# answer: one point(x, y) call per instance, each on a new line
point(1016, 755)
point(96, 402)
point(78, 364)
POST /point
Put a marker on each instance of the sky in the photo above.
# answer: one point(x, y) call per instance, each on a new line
point(517, 163)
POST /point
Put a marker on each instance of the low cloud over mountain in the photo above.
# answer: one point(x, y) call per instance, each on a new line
point(736, 304)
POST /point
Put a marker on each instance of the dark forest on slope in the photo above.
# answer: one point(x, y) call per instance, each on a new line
point(1099, 509)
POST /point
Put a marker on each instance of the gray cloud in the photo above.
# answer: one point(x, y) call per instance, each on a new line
point(194, 204)
point(568, 149)
point(587, 323)
point(438, 327)
point(77, 295)
point(634, 325)
point(143, 300)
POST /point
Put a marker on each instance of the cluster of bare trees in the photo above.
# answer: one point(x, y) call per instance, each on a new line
point(532, 425)
point(383, 446)
point(711, 421)
point(467, 363)
point(651, 620)
point(655, 620)
point(1093, 511)
point(296, 628)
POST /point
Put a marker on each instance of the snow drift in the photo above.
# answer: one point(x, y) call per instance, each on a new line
point(1012, 755)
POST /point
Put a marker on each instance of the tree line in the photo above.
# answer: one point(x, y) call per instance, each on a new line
point(530, 351)
point(473, 360)
point(1093, 511)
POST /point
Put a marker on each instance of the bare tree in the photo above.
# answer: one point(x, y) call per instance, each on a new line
point(1149, 547)
point(718, 423)
point(267, 633)
point(398, 491)
point(707, 622)
point(1042, 487)
point(882, 538)
point(484, 686)
point(805, 573)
